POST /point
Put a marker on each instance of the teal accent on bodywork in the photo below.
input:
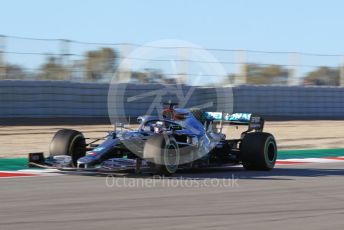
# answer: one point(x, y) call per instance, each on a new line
point(235, 117)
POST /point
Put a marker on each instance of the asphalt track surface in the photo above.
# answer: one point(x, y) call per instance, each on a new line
point(307, 196)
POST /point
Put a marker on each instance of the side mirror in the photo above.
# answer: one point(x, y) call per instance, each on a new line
point(139, 120)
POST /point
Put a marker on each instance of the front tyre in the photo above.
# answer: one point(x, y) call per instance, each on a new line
point(68, 142)
point(258, 151)
point(163, 153)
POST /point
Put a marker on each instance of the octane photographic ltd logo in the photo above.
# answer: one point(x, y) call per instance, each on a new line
point(171, 71)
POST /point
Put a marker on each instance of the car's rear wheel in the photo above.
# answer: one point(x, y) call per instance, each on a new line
point(68, 142)
point(258, 151)
point(163, 153)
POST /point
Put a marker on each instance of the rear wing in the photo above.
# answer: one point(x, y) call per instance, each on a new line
point(253, 121)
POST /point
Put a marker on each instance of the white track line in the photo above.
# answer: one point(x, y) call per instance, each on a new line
point(312, 160)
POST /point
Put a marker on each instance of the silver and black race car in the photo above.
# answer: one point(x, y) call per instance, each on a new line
point(180, 138)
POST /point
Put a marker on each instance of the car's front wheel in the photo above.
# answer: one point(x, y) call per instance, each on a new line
point(163, 153)
point(68, 142)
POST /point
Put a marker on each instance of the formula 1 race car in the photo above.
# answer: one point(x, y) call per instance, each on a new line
point(180, 138)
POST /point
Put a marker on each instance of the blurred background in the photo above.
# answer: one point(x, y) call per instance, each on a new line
point(259, 43)
point(35, 58)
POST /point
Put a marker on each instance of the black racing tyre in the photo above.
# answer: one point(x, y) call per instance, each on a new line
point(258, 151)
point(198, 114)
point(68, 142)
point(163, 154)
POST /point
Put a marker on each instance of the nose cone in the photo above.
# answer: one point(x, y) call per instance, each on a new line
point(86, 162)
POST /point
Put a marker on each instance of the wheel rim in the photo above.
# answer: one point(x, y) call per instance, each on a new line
point(171, 158)
point(77, 149)
point(271, 151)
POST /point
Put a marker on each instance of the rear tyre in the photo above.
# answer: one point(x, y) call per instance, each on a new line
point(258, 151)
point(68, 142)
point(163, 153)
